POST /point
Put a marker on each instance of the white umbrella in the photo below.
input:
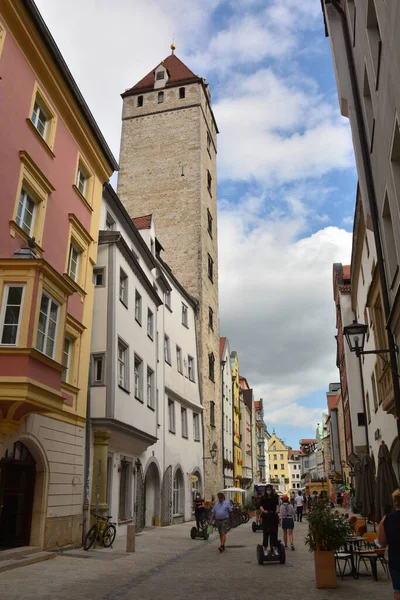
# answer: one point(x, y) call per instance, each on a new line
point(233, 489)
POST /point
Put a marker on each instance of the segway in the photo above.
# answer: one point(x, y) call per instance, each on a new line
point(256, 527)
point(262, 558)
point(201, 532)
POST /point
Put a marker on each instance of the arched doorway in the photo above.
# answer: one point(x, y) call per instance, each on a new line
point(152, 494)
point(17, 484)
point(178, 494)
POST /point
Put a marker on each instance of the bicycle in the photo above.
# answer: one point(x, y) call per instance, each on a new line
point(103, 531)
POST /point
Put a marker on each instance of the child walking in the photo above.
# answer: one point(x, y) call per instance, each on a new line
point(287, 516)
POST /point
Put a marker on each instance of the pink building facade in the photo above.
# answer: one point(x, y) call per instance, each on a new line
point(53, 163)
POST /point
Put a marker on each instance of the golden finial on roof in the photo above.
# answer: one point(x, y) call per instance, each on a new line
point(173, 46)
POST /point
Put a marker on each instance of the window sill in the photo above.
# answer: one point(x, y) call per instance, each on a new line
point(82, 197)
point(139, 399)
point(210, 379)
point(169, 308)
point(75, 285)
point(138, 322)
point(210, 234)
point(184, 325)
point(122, 302)
point(196, 440)
point(16, 230)
point(40, 138)
point(209, 153)
point(124, 389)
point(97, 384)
point(185, 437)
point(209, 191)
point(192, 380)
point(150, 337)
point(172, 432)
point(168, 363)
point(211, 279)
point(151, 408)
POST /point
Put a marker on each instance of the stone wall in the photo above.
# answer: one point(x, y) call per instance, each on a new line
point(164, 162)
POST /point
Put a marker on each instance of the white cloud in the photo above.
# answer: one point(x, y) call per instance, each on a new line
point(348, 220)
point(274, 132)
point(277, 304)
point(295, 415)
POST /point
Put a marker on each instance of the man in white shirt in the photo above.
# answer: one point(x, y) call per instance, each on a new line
point(299, 506)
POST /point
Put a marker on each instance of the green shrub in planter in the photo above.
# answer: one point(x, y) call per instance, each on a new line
point(325, 530)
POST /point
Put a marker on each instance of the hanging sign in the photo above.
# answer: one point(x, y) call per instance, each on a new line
point(193, 478)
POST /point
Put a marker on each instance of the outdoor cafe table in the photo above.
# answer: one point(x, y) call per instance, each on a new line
point(373, 559)
point(352, 544)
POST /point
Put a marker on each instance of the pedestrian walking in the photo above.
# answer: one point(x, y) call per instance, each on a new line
point(221, 512)
point(299, 506)
point(287, 516)
point(389, 535)
point(293, 500)
point(269, 508)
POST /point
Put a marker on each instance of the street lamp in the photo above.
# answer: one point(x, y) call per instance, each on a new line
point(355, 336)
point(213, 453)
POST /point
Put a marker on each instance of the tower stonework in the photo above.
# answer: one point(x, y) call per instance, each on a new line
point(168, 169)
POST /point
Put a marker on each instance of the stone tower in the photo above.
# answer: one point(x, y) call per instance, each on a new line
point(168, 168)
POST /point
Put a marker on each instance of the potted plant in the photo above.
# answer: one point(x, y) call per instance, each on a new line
point(326, 534)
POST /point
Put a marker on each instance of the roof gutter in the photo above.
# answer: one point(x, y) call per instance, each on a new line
point(56, 55)
point(372, 203)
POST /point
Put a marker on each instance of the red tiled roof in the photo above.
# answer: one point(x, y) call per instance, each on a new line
point(292, 453)
point(257, 405)
point(307, 440)
point(243, 383)
point(332, 401)
point(143, 222)
point(346, 289)
point(222, 341)
point(177, 73)
point(346, 271)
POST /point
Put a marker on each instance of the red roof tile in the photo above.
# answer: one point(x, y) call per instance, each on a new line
point(143, 222)
point(292, 453)
point(177, 73)
point(346, 271)
point(222, 341)
point(243, 383)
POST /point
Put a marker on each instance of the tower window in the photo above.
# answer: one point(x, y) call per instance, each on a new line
point(209, 223)
point(209, 143)
point(209, 182)
point(210, 318)
point(210, 268)
point(160, 75)
point(140, 101)
point(160, 97)
point(182, 93)
point(211, 361)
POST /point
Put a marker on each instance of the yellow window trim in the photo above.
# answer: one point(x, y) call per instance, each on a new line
point(40, 139)
point(73, 331)
point(2, 36)
point(35, 182)
point(88, 197)
point(39, 96)
point(82, 239)
point(47, 287)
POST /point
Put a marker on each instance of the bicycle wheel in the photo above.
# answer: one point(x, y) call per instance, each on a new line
point(90, 537)
point(109, 536)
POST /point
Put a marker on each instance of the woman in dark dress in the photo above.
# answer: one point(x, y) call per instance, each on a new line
point(269, 508)
point(389, 535)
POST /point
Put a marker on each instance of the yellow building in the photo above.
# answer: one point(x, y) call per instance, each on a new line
point(237, 450)
point(278, 463)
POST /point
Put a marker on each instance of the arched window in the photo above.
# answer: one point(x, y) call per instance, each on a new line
point(160, 97)
point(178, 493)
point(211, 361)
point(182, 93)
point(140, 101)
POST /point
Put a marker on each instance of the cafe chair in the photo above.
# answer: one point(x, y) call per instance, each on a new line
point(344, 557)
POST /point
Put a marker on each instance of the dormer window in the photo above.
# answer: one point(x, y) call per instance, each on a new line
point(140, 101)
point(160, 75)
point(160, 97)
point(182, 93)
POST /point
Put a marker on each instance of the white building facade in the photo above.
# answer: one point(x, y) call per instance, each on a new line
point(145, 404)
point(294, 470)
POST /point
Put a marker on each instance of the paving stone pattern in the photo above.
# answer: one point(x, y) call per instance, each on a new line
point(169, 565)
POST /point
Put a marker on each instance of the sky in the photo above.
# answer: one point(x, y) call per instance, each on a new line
point(286, 173)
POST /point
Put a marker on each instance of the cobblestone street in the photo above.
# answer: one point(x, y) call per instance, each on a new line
point(168, 564)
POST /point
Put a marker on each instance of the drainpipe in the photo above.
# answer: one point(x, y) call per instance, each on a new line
point(372, 203)
point(88, 432)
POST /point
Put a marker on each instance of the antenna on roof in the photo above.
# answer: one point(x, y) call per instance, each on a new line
point(173, 46)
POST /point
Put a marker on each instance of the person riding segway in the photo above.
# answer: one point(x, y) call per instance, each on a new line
point(269, 507)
